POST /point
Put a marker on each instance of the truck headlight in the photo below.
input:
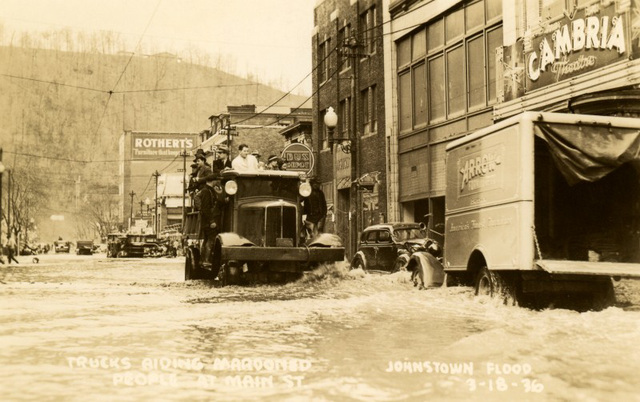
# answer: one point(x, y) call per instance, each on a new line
point(231, 187)
point(305, 189)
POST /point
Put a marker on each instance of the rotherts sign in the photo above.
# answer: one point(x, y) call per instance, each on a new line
point(593, 38)
point(157, 146)
point(299, 157)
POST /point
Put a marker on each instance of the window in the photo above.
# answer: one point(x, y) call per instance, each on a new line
point(343, 35)
point(369, 101)
point(420, 95)
point(368, 26)
point(364, 96)
point(447, 67)
point(323, 61)
point(404, 101)
point(344, 119)
point(374, 108)
point(384, 237)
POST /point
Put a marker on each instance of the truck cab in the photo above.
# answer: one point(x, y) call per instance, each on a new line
point(261, 238)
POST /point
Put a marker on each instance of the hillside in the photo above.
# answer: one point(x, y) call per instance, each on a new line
point(63, 112)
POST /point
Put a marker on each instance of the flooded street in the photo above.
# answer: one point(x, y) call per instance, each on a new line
point(92, 328)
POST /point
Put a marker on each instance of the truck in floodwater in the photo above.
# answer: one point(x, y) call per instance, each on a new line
point(261, 238)
point(545, 205)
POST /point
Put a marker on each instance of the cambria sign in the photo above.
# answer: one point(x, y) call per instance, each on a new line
point(596, 36)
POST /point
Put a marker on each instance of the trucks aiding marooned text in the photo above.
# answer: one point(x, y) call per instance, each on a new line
point(545, 206)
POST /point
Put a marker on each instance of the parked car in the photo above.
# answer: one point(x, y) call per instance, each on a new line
point(386, 247)
point(84, 247)
point(62, 246)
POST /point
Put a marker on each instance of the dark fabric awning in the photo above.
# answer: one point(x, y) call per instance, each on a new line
point(588, 152)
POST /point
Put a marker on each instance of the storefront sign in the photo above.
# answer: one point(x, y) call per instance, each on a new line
point(158, 146)
point(298, 157)
point(586, 42)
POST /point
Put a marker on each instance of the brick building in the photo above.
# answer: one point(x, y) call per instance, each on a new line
point(349, 78)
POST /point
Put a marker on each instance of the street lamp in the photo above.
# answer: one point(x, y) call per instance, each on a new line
point(132, 193)
point(331, 121)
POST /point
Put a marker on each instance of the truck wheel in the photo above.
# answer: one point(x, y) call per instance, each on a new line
point(400, 264)
point(604, 296)
point(493, 284)
point(231, 273)
point(192, 268)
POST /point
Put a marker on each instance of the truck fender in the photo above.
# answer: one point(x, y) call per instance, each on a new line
point(427, 271)
point(230, 239)
point(478, 258)
point(325, 240)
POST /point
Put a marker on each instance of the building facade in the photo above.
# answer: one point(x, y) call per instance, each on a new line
point(457, 66)
point(141, 155)
point(349, 78)
point(442, 79)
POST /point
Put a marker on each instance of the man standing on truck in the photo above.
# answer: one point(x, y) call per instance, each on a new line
point(315, 207)
point(210, 216)
point(244, 162)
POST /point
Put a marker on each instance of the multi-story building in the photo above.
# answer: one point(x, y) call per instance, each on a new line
point(454, 66)
point(349, 79)
point(442, 84)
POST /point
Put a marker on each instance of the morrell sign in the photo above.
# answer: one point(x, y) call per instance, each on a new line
point(594, 37)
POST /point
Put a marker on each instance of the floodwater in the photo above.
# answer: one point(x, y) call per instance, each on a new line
point(98, 329)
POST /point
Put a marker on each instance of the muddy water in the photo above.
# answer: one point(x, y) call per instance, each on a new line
point(91, 328)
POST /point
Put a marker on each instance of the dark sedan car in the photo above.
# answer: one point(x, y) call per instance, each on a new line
point(379, 245)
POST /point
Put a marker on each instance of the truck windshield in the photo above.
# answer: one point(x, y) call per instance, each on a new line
point(277, 187)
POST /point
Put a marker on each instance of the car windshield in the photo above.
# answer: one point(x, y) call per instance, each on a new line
point(409, 233)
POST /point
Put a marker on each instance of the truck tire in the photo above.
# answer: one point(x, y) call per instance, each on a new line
point(495, 285)
point(192, 270)
point(604, 296)
point(400, 264)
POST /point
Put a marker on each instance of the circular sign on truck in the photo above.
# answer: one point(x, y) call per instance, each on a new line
point(298, 157)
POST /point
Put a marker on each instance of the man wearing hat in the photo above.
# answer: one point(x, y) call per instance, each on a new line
point(272, 163)
point(222, 162)
point(210, 215)
point(203, 170)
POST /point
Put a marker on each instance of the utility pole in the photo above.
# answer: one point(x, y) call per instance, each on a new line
point(132, 193)
point(1, 171)
point(156, 175)
point(184, 186)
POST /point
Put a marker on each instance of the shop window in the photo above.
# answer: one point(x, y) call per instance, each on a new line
point(420, 95)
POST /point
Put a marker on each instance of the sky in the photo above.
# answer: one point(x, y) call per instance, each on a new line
point(270, 39)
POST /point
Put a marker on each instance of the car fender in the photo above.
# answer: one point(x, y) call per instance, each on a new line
point(230, 239)
point(325, 240)
point(360, 255)
point(426, 268)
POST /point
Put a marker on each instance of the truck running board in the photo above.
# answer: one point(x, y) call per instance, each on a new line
point(619, 269)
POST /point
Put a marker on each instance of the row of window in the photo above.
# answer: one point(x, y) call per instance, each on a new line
point(448, 67)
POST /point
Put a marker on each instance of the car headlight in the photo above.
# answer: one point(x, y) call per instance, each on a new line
point(231, 187)
point(304, 189)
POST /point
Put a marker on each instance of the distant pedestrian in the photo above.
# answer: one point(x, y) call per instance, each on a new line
point(12, 249)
